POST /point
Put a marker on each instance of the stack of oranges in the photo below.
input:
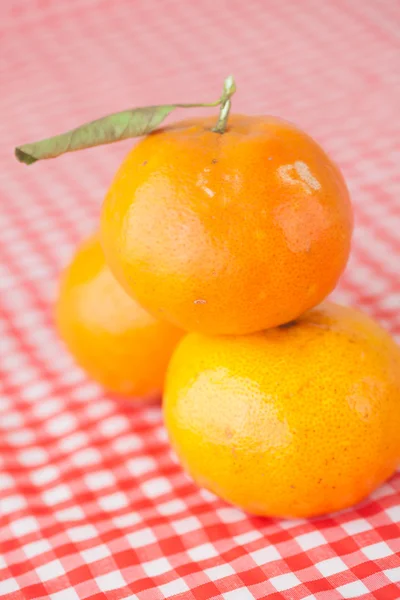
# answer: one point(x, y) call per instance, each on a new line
point(236, 233)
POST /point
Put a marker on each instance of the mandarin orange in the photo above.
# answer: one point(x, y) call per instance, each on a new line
point(295, 421)
point(118, 343)
point(227, 233)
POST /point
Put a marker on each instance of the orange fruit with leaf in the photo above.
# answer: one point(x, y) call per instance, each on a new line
point(295, 421)
point(111, 337)
point(225, 229)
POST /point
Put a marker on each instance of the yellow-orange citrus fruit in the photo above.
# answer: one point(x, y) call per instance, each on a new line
point(227, 233)
point(118, 343)
point(295, 421)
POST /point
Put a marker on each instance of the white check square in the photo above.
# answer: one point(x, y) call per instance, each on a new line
point(131, 518)
point(376, 551)
point(156, 567)
point(113, 501)
point(44, 475)
point(138, 466)
point(202, 552)
point(284, 582)
point(186, 525)
point(239, 594)
point(246, 538)
point(307, 541)
point(172, 507)
point(74, 513)
point(11, 504)
point(173, 588)
point(141, 538)
point(230, 515)
point(69, 594)
point(8, 586)
point(219, 572)
point(79, 534)
point(393, 574)
point(353, 589)
point(36, 548)
point(331, 566)
point(24, 526)
point(110, 581)
point(94, 554)
point(99, 479)
point(265, 555)
point(50, 571)
point(56, 495)
point(156, 487)
point(394, 513)
point(356, 526)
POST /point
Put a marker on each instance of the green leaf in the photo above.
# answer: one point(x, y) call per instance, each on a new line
point(113, 128)
point(117, 127)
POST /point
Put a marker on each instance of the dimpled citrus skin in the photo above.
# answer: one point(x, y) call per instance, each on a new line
point(109, 334)
point(292, 422)
point(231, 233)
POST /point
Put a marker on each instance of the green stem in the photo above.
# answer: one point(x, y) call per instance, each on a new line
point(220, 127)
point(229, 90)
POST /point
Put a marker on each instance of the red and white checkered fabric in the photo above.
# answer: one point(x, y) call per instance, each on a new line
point(92, 505)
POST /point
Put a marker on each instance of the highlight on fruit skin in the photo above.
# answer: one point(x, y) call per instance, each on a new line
point(227, 233)
point(291, 422)
point(110, 336)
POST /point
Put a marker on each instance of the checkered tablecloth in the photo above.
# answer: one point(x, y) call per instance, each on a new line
point(92, 503)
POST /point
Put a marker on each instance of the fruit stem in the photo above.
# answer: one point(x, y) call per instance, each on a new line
point(229, 90)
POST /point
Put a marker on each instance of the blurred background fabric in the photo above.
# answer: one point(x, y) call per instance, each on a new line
point(92, 503)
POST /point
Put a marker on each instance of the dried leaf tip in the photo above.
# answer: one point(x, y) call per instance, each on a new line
point(24, 157)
